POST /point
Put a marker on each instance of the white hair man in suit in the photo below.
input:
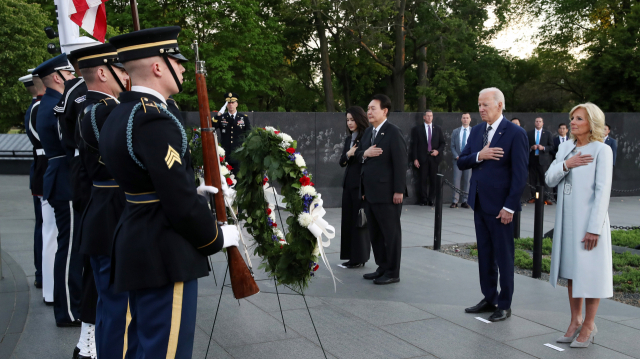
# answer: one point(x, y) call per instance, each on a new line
point(612, 142)
point(461, 179)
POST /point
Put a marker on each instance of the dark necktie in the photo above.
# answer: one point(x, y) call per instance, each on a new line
point(485, 138)
point(429, 137)
point(373, 136)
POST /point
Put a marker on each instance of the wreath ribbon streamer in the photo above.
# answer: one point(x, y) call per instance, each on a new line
point(318, 227)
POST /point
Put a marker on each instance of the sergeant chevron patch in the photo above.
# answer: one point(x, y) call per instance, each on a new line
point(172, 157)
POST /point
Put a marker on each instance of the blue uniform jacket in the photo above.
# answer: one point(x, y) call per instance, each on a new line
point(56, 179)
point(26, 128)
point(499, 183)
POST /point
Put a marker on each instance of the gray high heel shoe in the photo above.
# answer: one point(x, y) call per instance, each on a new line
point(591, 339)
point(570, 339)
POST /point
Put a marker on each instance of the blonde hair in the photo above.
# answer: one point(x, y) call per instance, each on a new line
point(596, 121)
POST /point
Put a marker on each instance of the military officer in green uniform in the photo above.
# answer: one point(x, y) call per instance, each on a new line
point(234, 126)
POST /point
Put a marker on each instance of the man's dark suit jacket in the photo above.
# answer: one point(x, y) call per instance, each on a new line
point(384, 175)
point(420, 146)
point(499, 183)
point(613, 143)
point(546, 140)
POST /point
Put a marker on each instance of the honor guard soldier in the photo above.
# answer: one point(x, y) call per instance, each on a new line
point(233, 128)
point(57, 191)
point(103, 78)
point(49, 230)
point(166, 230)
point(36, 191)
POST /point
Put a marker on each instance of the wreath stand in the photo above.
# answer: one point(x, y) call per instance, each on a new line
point(277, 293)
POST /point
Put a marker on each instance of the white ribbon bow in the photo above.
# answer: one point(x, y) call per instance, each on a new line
point(317, 228)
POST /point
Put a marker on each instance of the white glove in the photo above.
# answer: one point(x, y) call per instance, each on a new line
point(204, 190)
point(230, 234)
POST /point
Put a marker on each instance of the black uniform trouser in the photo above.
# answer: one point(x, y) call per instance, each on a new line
point(354, 244)
point(385, 231)
point(37, 238)
point(89, 300)
point(536, 174)
point(427, 179)
point(67, 269)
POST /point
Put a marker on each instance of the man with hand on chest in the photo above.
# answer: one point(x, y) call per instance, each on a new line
point(234, 127)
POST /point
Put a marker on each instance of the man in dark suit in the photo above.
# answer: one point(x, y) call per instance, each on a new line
point(561, 138)
point(540, 156)
point(427, 146)
point(383, 154)
point(612, 142)
point(497, 154)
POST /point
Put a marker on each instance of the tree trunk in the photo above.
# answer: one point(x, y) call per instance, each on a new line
point(423, 80)
point(399, 57)
point(325, 64)
point(346, 90)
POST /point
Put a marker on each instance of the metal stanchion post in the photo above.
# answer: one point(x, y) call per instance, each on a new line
point(537, 232)
point(437, 228)
point(516, 224)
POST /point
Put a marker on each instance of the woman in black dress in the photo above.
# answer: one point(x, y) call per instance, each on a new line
point(355, 245)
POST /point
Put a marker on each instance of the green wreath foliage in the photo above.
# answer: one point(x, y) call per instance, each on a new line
point(262, 157)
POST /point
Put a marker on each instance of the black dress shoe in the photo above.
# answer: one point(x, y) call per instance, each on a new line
point(75, 323)
point(430, 203)
point(500, 315)
point(47, 303)
point(37, 284)
point(465, 205)
point(76, 353)
point(346, 263)
point(422, 204)
point(354, 265)
point(373, 275)
point(482, 307)
point(453, 205)
point(386, 280)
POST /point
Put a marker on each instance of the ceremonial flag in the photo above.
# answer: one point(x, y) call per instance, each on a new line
point(90, 15)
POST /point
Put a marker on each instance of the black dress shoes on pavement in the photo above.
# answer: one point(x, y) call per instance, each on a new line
point(386, 280)
point(453, 205)
point(75, 323)
point(373, 275)
point(353, 265)
point(37, 284)
point(500, 315)
point(482, 307)
point(47, 303)
point(465, 205)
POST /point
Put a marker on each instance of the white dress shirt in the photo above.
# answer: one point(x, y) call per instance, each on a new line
point(538, 135)
point(150, 91)
point(376, 129)
point(462, 130)
point(562, 139)
point(106, 94)
point(426, 129)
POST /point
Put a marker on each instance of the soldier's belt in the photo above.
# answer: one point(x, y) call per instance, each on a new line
point(142, 198)
point(56, 157)
point(108, 183)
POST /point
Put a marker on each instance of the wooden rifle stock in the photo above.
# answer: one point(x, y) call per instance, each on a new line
point(242, 281)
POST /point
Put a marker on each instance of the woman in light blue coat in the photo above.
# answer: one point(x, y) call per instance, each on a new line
point(581, 251)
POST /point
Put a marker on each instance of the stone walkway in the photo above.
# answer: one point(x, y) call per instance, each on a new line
point(421, 317)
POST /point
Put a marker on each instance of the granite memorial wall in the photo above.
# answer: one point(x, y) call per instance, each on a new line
point(321, 136)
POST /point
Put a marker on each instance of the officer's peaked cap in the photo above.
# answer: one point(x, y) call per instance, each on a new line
point(50, 66)
point(231, 97)
point(157, 41)
point(26, 80)
point(93, 56)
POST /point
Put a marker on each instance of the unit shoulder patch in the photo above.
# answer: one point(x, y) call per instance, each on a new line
point(172, 157)
point(81, 99)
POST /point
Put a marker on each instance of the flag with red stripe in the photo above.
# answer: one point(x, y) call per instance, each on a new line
point(90, 15)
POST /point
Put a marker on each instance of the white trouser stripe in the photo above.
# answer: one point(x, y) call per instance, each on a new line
point(66, 271)
point(49, 248)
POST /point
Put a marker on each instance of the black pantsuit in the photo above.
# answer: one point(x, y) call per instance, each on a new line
point(355, 244)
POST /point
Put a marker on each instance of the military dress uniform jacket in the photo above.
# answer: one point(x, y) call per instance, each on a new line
point(107, 201)
point(69, 110)
point(39, 160)
point(232, 131)
point(167, 229)
point(56, 183)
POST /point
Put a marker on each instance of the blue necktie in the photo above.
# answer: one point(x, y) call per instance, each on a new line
point(464, 138)
point(537, 141)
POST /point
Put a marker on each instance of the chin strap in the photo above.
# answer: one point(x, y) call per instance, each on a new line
point(116, 77)
point(173, 73)
point(64, 79)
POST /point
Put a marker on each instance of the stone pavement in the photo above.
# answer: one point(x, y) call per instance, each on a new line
point(421, 317)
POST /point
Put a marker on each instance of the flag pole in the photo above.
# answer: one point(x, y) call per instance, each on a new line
point(134, 14)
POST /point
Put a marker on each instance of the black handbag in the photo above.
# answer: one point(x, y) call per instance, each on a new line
point(362, 219)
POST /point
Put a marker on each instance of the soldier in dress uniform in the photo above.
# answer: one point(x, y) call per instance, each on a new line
point(36, 92)
point(234, 126)
point(166, 230)
point(57, 191)
point(49, 231)
point(105, 78)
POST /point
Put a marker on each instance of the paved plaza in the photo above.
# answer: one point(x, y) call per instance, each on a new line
point(421, 317)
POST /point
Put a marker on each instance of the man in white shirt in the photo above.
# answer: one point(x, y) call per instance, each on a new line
point(540, 156)
point(461, 179)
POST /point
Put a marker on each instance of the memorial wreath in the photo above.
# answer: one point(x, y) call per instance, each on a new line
point(268, 154)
